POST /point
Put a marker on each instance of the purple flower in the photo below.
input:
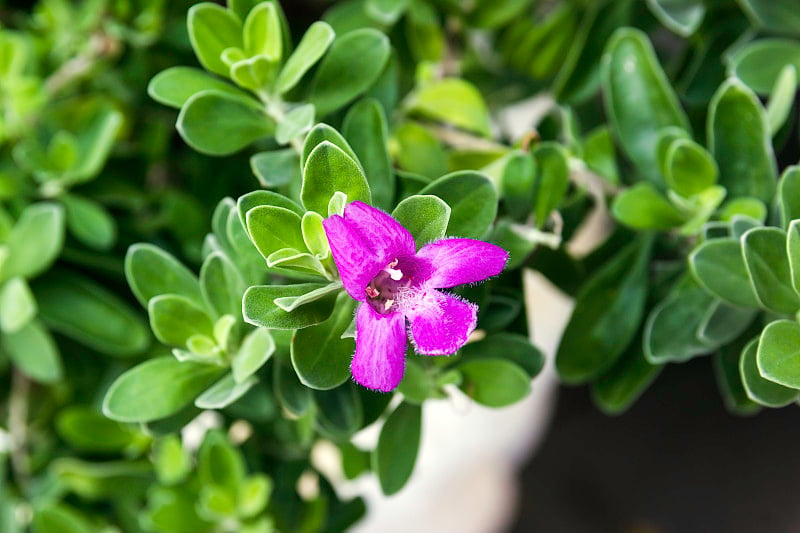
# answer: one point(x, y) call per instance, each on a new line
point(380, 267)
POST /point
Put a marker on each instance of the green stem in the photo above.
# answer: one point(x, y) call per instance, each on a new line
point(274, 108)
point(18, 426)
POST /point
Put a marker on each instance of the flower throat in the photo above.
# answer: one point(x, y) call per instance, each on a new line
point(383, 290)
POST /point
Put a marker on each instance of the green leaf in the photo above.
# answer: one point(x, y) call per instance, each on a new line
point(277, 168)
point(339, 412)
point(173, 509)
point(671, 330)
point(417, 385)
point(296, 122)
point(97, 481)
point(33, 352)
point(781, 99)
point(259, 306)
point(520, 240)
point(218, 123)
point(293, 395)
point(618, 389)
point(224, 392)
point(213, 29)
point(739, 225)
point(60, 518)
point(724, 323)
point(35, 241)
point(366, 129)
point(472, 198)
point(453, 101)
point(516, 184)
point(759, 63)
point(506, 346)
point(744, 208)
point(17, 305)
point(775, 15)
point(171, 462)
point(89, 222)
point(151, 271)
point(174, 319)
point(420, 151)
point(290, 303)
point(394, 457)
point(222, 285)
point(495, 14)
point(292, 259)
point(97, 129)
point(680, 16)
point(254, 495)
point(607, 314)
point(174, 86)
point(274, 228)
point(328, 170)
point(690, 169)
point(599, 154)
point(262, 32)
point(352, 64)
point(313, 45)
point(778, 355)
point(666, 137)
point(354, 460)
point(638, 97)
point(259, 198)
point(767, 262)
point(320, 356)
point(793, 252)
point(424, 33)
point(220, 464)
point(718, 265)
point(425, 216)
point(643, 207)
point(323, 132)
point(256, 349)
point(579, 76)
point(729, 380)
point(494, 382)
point(386, 11)
point(157, 389)
point(789, 195)
point(87, 430)
point(314, 235)
point(551, 182)
point(744, 154)
point(80, 309)
point(760, 390)
point(255, 73)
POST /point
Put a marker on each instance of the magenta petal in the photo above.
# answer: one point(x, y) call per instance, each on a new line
point(459, 261)
point(441, 323)
point(380, 358)
point(356, 260)
point(385, 235)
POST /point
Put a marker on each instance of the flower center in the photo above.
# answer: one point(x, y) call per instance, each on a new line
point(384, 288)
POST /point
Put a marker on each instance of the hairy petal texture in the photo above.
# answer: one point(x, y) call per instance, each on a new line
point(380, 358)
point(440, 324)
point(354, 257)
point(386, 237)
point(460, 261)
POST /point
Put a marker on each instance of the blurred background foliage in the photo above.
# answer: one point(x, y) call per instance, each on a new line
point(671, 123)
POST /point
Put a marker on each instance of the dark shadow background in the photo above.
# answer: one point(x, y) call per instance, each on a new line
point(677, 461)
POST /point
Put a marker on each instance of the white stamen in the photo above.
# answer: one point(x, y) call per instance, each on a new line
point(387, 304)
point(394, 273)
